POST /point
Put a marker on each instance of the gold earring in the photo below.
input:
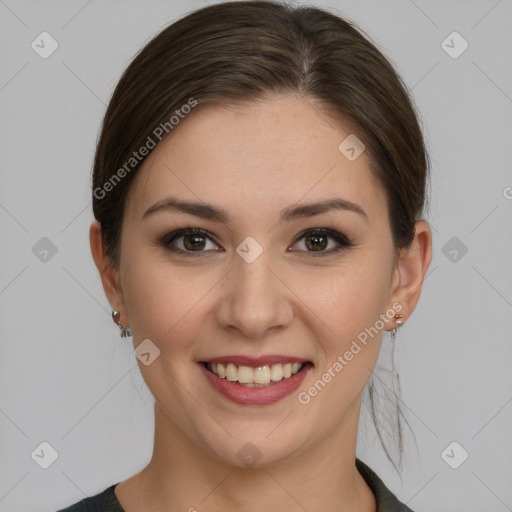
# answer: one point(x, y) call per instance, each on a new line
point(398, 323)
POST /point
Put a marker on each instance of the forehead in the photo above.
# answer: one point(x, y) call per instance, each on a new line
point(255, 155)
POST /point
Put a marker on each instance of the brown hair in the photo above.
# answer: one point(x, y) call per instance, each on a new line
point(241, 51)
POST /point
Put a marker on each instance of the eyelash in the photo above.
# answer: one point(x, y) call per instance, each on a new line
point(342, 241)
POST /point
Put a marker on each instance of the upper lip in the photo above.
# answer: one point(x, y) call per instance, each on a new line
point(255, 361)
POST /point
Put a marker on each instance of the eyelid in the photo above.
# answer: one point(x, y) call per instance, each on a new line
point(336, 235)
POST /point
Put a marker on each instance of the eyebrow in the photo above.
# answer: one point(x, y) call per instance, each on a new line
point(210, 212)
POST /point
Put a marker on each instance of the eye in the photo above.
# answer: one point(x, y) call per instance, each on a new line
point(188, 241)
point(321, 241)
point(317, 240)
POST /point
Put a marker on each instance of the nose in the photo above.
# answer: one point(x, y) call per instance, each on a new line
point(254, 299)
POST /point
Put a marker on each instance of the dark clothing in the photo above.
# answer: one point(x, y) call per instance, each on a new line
point(106, 501)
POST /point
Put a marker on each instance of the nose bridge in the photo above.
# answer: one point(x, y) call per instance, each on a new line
point(254, 300)
point(254, 279)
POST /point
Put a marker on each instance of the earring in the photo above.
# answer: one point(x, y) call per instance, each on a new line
point(398, 323)
point(125, 331)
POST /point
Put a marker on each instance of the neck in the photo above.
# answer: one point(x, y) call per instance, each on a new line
point(182, 476)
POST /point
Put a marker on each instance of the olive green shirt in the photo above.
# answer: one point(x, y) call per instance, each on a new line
point(106, 501)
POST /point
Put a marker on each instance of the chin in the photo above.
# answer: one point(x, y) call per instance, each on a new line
point(259, 450)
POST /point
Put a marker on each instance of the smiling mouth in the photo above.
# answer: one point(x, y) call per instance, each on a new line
point(260, 376)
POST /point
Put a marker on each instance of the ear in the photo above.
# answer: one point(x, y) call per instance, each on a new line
point(109, 275)
point(411, 266)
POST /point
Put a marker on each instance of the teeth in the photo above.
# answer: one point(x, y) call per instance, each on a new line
point(254, 377)
point(231, 372)
point(245, 375)
point(276, 372)
point(261, 375)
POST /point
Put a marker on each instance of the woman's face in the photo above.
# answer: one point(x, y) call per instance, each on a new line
point(256, 284)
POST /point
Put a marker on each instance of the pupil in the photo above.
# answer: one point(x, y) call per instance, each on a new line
point(316, 243)
point(198, 242)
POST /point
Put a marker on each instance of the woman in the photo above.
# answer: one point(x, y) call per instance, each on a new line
point(258, 190)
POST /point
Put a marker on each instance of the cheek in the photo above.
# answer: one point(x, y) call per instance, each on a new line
point(349, 297)
point(350, 344)
point(163, 300)
point(348, 304)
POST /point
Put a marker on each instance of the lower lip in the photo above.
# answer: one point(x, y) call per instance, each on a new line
point(270, 394)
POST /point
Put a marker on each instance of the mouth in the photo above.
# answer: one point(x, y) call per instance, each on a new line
point(261, 381)
point(254, 377)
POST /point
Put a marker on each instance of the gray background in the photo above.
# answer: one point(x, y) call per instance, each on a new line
point(69, 380)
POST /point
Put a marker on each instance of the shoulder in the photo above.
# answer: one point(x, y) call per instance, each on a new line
point(105, 501)
point(386, 500)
